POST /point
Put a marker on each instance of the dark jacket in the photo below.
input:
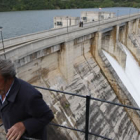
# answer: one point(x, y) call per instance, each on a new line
point(24, 103)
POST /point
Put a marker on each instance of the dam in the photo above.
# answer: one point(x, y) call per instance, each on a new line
point(72, 60)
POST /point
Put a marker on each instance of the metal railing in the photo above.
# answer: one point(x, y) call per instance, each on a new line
point(88, 99)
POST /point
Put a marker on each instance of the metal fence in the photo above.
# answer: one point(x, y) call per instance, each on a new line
point(88, 98)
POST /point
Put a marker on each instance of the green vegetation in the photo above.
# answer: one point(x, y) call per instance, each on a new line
point(17, 5)
point(67, 105)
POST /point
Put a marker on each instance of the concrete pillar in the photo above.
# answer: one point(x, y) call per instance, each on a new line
point(99, 38)
point(138, 54)
point(128, 32)
point(117, 33)
point(66, 57)
point(129, 28)
point(133, 26)
point(113, 39)
point(96, 44)
point(117, 39)
point(137, 26)
point(124, 34)
point(139, 23)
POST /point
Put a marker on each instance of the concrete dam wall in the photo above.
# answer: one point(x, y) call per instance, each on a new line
point(88, 78)
point(80, 66)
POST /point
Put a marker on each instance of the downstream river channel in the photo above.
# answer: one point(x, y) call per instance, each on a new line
point(26, 22)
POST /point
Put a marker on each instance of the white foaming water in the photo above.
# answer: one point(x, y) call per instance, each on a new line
point(130, 76)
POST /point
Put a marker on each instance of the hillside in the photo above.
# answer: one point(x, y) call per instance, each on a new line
point(17, 5)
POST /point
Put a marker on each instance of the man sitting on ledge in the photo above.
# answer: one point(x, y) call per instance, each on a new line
point(22, 109)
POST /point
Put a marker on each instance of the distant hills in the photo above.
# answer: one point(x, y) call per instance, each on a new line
point(17, 5)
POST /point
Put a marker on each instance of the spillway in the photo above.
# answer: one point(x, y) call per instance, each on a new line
point(130, 76)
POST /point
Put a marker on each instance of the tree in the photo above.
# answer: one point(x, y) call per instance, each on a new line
point(108, 3)
point(12, 5)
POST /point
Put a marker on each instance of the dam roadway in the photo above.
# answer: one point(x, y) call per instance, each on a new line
point(33, 42)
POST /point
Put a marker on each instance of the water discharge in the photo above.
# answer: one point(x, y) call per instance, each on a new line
point(130, 76)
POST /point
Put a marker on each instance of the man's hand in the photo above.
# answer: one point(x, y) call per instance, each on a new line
point(16, 131)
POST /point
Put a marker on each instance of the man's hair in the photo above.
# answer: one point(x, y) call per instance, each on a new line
point(7, 69)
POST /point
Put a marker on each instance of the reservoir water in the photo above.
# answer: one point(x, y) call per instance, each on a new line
point(25, 22)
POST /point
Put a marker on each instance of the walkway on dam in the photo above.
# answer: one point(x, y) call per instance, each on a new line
point(64, 34)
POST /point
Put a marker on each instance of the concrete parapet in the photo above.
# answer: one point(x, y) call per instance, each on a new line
point(82, 39)
point(35, 55)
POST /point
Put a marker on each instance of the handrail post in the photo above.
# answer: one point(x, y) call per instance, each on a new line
point(2, 42)
point(87, 117)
